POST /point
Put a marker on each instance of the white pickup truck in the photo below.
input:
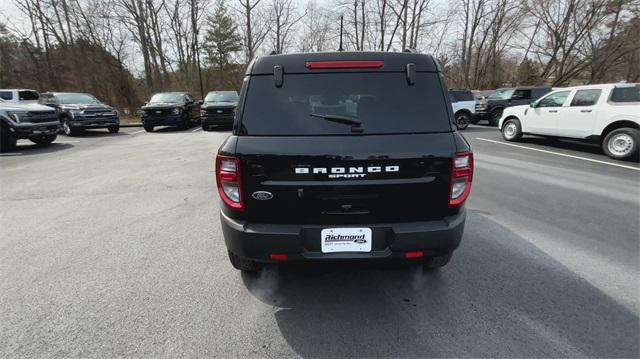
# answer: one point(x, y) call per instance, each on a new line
point(608, 114)
point(464, 107)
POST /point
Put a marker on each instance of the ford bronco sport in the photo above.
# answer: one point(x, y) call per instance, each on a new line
point(343, 155)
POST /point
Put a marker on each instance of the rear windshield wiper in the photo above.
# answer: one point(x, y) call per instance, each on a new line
point(338, 119)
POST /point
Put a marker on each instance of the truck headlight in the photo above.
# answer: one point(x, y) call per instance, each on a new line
point(176, 111)
point(15, 116)
point(203, 112)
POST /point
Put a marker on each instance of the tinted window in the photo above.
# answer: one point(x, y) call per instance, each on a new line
point(521, 95)
point(554, 100)
point(6, 95)
point(585, 97)
point(28, 95)
point(461, 96)
point(383, 102)
point(626, 94)
point(537, 93)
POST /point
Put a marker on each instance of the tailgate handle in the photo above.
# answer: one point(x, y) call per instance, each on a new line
point(411, 74)
point(278, 76)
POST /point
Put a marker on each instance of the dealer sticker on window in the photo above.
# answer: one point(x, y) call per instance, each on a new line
point(346, 240)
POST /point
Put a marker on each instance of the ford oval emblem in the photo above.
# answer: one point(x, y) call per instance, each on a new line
point(262, 195)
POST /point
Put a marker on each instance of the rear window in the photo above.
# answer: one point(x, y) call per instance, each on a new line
point(28, 95)
point(6, 95)
point(625, 94)
point(383, 102)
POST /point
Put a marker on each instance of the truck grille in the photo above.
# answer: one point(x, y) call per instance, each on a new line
point(159, 112)
point(220, 111)
point(42, 116)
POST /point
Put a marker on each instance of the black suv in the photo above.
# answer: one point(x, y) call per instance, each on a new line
point(171, 109)
point(218, 109)
point(491, 108)
point(81, 111)
point(343, 155)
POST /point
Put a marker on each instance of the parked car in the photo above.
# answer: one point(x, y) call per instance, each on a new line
point(491, 109)
point(218, 109)
point(480, 95)
point(607, 114)
point(346, 155)
point(19, 95)
point(464, 107)
point(31, 121)
point(81, 111)
point(171, 109)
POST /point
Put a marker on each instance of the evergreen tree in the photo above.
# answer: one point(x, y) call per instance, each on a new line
point(222, 38)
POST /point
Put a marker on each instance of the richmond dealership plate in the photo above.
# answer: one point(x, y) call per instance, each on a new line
point(346, 240)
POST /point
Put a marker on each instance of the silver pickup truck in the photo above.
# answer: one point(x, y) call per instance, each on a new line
point(35, 122)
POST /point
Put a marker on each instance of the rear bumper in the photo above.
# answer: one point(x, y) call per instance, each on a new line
point(302, 242)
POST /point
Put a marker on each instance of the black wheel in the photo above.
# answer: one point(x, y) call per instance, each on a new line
point(495, 116)
point(44, 140)
point(463, 119)
point(114, 129)
point(205, 127)
point(7, 140)
point(511, 130)
point(474, 119)
point(621, 144)
point(243, 264)
point(435, 262)
point(68, 129)
point(148, 128)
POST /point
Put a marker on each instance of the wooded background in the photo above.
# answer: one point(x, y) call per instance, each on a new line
point(123, 51)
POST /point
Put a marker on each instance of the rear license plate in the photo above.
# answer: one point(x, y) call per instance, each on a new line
point(345, 240)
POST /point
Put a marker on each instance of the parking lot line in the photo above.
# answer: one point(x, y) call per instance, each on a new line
point(559, 154)
point(133, 133)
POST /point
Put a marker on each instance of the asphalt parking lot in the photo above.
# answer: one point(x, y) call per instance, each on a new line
point(110, 245)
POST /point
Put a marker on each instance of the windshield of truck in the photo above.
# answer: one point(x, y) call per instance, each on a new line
point(167, 98)
point(77, 99)
point(338, 103)
point(502, 94)
point(222, 96)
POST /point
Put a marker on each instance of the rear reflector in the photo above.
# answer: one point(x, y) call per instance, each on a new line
point(416, 254)
point(329, 65)
point(279, 256)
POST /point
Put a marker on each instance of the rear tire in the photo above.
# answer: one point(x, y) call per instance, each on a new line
point(621, 144)
point(43, 141)
point(205, 127)
point(114, 129)
point(494, 118)
point(243, 264)
point(7, 140)
point(148, 128)
point(184, 124)
point(434, 262)
point(512, 130)
point(462, 120)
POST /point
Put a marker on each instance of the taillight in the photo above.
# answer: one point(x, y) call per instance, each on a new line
point(349, 64)
point(229, 181)
point(461, 177)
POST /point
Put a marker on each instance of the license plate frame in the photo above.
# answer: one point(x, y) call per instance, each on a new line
point(345, 240)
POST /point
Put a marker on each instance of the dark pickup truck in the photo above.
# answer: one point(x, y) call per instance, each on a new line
point(343, 156)
point(80, 111)
point(492, 106)
point(218, 109)
point(178, 109)
point(34, 122)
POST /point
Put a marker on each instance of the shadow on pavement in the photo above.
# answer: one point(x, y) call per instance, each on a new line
point(171, 129)
point(28, 149)
point(500, 297)
point(96, 133)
